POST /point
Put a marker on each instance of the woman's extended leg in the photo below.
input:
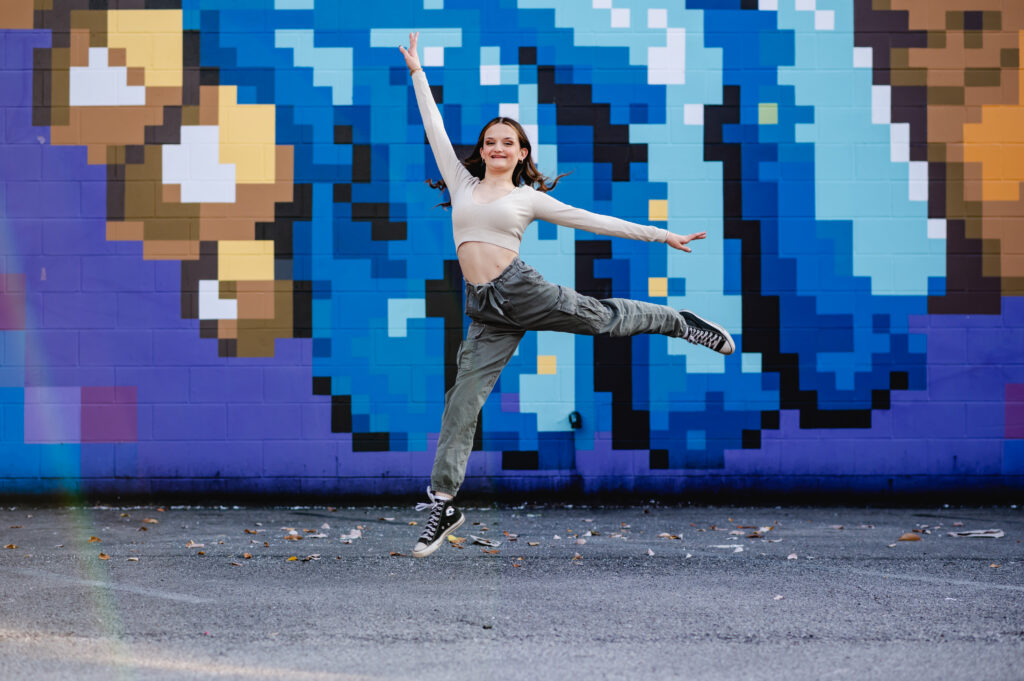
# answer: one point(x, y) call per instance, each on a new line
point(537, 304)
point(482, 355)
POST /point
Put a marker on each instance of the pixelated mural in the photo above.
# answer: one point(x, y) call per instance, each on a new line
point(223, 270)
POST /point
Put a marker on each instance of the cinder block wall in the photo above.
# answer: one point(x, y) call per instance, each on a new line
point(222, 271)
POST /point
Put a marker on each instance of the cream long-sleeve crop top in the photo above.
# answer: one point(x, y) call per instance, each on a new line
point(503, 220)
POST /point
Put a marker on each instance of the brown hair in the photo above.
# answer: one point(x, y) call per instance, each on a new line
point(525, 173)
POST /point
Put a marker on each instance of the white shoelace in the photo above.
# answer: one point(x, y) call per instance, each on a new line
point(435, 505)
point(704, 337)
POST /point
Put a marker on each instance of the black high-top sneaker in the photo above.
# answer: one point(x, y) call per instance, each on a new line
point(702, 332)
point(444, 519)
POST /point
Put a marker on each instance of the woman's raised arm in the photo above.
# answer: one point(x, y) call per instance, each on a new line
point(452, 170)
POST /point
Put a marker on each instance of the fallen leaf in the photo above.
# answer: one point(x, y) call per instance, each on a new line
point(151, 521)
point(581, 541)
point(331, 509)
point(649, 552)
point(266, 544)
point(396, 554)
point(11, 546)
point(455, 540)
point(247, 556)
point(791, 556)
point(293, 537)
point(625, 526)
point(666, 535)
point(492, 552)
point(104, 556)
point(93, 540)
point(143, 529)
point(133, 559)
point(236, 564)
point(387, 520)
point(737, 532)
point(836, 527)
point(291, 558)
point(325, 526)
point(754, 535)
point(413, 522)
point(192, 545)
point(312, 556)
point(994, 565)
point(517, 565)
point(778, 598)
point(533, 543)
point(200, 553)
point(354, 534)
point(909, 536)
point(15, 527)
point(318, 535)
point(556, 537)
point(248, 531)
point(308, 531)
point(161, 510)
point(958, 524)
point(577, 556)
point(891, 545)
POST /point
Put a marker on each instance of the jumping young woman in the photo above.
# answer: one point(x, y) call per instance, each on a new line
point(495, 194)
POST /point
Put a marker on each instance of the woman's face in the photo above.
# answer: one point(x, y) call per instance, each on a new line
point(501, 151)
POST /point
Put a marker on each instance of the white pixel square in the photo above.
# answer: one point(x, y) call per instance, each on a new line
point(657, 18)
point(936, 228)
point(862, 57)
point(620, 17)
point(433, 56)
point(693, 114)
point(824, 20)
point(602, 4)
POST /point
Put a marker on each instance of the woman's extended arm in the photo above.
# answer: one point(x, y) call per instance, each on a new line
point(452, 170)
point(548, 208)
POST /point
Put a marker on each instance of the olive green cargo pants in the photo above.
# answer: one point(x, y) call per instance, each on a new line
point(502, 310)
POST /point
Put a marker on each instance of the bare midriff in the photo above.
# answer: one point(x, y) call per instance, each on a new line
point(481, 262)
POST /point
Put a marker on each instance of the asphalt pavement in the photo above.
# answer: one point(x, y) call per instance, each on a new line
point(651, 592)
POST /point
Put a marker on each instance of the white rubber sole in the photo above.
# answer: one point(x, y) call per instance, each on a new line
point(436, 544)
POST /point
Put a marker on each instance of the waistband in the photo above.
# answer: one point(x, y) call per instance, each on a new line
point(513, 268)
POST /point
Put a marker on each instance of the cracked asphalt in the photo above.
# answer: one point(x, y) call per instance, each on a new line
point(655, 592)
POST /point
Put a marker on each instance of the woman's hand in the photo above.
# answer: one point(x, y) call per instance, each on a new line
point(679, 241)
point(411, 60)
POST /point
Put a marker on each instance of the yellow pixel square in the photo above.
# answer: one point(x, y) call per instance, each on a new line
point(547, 364)
point(245, 260)
point(657, 287)
point(657, 210)
point(768, 113)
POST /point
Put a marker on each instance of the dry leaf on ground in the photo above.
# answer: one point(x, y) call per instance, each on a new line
point(104, 556)
point(533, 543)
point(151, 521)
point(791, 556)
point(11, 546)
point(133, 559)
point(649, 552)
point(291, 558)
point(193, 545)
point(396, 554)
point(93, 540)
point(909, 536)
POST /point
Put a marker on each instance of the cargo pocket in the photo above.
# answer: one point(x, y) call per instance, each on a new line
point(568, 300)
point(466, 354)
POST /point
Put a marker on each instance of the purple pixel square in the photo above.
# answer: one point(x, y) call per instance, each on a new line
point(510, 402)
point(53, 415)
point(110, 414)
point(1015, 410)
